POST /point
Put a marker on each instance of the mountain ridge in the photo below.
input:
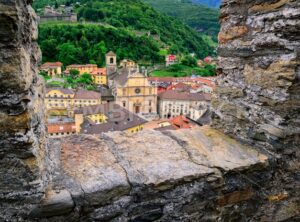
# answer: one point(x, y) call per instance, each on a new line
point(200, 17)
point(210, 3)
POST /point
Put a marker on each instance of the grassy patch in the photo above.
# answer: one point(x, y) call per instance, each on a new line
point(55, 84)
point(183, 71)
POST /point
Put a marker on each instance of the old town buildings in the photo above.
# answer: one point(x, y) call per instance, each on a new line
point(88, 68)
point(107, 117)
point(125, 100)
point(60, 98)
point(99, 76)
point(52, 68)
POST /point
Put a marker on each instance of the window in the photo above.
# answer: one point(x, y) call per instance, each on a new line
point(124, 92)
point(150, 110)
point(124, 104)
point(150, 102)
point(111, 60)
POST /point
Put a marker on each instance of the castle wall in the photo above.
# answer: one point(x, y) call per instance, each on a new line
point(22, 134)
point(189, 175)
point(258, 91)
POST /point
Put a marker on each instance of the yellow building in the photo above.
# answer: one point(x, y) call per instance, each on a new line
point(52, 68)
point(60, 98)
point(133, 92)
point(99, 76)
point(127, 63)
point(97, 118)
point(106, 118)
point(88, 68)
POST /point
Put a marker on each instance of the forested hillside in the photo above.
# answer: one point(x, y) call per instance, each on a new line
point(88, 44)
point(130, 27)
point(199, 17)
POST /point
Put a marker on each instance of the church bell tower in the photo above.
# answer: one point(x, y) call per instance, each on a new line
point(111, 64)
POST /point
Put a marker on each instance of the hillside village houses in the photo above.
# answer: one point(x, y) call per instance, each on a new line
point(136, 100)
point(88, 68)
point(99, 76)
point(52, 68)
point(60, 98)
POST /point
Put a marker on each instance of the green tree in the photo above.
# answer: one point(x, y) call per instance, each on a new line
point(68, 53)
point(85, 79)
point(74, 73)
point(97, 53)
point(189, 61)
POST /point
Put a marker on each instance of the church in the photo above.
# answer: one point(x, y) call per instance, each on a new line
point(131, 88)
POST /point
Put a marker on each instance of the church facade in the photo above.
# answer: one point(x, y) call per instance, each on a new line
point(131, 89)
point(133, 92)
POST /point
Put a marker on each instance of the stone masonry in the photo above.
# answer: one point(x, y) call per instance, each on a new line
point(258, 96)
point(21, 111)
point(246, 169)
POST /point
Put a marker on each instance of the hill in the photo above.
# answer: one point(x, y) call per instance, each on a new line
point(88, 43)
point(133, 20)
point(199, 17)
point(210, 3)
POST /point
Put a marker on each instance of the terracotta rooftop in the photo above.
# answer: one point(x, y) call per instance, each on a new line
point(99, 71)
point(181, 87)
point(181, 122)
point(206, 81)
point(61, 128)
point(175, 95)
point(80, 66)
point(86, 94)
point(51, 65)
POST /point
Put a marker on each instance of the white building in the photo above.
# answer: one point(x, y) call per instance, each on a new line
point(172, 103)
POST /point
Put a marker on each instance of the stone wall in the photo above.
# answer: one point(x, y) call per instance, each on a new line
point(188, 175)
point(259, 67)
point(258, 95)
point(21, 111)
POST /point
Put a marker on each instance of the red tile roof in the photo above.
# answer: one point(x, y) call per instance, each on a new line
point(99, 71)
point(206, 81)
point(181, 87)
point(76, 66)
point(61, 128)
point(180, 122)
point(48, 65)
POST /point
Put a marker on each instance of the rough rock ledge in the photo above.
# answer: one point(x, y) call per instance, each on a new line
point(145, 176)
